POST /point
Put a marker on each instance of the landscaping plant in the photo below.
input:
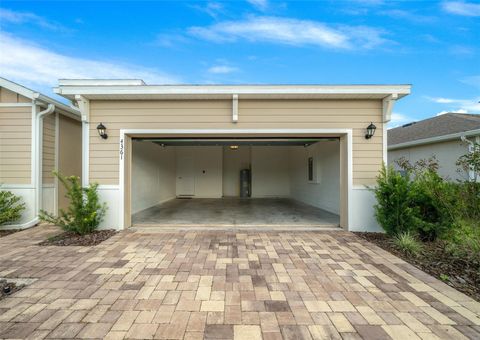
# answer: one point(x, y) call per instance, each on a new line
point(407, 243)
point(85, 212)
point(393, 209)
point(11, 207)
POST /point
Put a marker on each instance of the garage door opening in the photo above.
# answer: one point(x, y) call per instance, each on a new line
point(235, 182)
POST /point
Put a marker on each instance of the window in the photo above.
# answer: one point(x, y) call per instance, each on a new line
point(310, 169)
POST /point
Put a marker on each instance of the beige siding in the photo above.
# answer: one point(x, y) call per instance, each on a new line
point(69, 153)
point(7, 96)
point(253, 114)
point(48, 147)
point(15, 145)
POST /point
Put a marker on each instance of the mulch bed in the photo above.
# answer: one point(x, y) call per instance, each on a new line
point(460, 273)
point(72, 239)
point(8, 232)
point(8, 288)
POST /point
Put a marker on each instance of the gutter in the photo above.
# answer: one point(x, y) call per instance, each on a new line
point(436, 139)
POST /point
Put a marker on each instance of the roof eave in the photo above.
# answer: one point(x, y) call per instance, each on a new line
point(433, 140)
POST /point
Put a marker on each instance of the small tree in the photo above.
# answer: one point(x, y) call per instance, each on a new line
point(393, 210)
point(85, 212)
point(11, 207)
point(470, 188)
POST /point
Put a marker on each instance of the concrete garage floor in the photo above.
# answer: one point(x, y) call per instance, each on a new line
point(246, 213)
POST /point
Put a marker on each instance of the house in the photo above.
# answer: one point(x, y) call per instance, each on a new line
point(440, 136)
point(37, 135)
point(237, 156)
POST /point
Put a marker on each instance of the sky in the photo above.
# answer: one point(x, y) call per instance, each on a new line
point(433, 45)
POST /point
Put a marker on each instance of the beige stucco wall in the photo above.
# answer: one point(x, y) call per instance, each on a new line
point(15, 139)
point(69, 153)
point(447, 154)
point(253, 114)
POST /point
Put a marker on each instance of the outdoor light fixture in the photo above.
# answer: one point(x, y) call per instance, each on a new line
point(370, 131)
point(101, 131)
point(233, 147)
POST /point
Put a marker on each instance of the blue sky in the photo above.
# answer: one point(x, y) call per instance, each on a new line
point(433, 45)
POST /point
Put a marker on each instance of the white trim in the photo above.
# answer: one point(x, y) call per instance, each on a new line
point(235, 108)
point(435, 139)
point(75, 88)
point(33, 147)
point(85, 153)
point(17, 186)
point(108, 187)
point(25, 225)
point(15, 104)
point(273, 132)
point(57, 156)
point(385, 144)
point(387, 106)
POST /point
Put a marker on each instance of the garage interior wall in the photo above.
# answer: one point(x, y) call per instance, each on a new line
point(153, 175)
point(277, 171)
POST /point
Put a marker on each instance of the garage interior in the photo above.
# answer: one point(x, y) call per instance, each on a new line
point(239, 182)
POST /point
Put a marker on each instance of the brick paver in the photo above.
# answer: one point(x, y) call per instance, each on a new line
point(225, 285)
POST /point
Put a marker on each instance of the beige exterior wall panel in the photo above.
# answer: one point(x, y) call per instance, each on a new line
point(7, 96)
point(15, 142)
point(69, 153)
point(48, 149)
point(253, 114)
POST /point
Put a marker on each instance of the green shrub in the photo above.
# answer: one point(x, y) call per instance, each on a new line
point(393, 209)
point(84, 214)
point(408, 243)
point(464, 240)
point(11, 207)
point(434, 203)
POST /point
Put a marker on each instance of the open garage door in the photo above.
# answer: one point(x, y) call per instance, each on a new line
point(235, 182)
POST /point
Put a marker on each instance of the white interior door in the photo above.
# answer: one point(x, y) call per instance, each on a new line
point(185, 174)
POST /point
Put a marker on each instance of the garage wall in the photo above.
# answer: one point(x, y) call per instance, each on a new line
point(253, 114)
point(207, 169)
point(153, 175)
point(270, 171)
point(447, 154)
point(324, 191)
point(233, 162)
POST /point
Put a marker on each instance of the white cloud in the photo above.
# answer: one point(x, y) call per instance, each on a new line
point(36, 66)
point(260, 4)
point(222, 69)
point(458, 105)
point(212, 8)
point(408, 15)
point(399, 119)
point(8, 16)
point(472, 80)
point(462, 8)
point(290, 32)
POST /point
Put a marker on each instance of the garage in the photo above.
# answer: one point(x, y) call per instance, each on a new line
point(235, 182)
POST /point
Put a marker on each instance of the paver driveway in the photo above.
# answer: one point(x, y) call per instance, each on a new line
point(224, 285)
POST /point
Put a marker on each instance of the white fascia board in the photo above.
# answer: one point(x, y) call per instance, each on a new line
point(100, 82)
point(436, 139)
point(227, 90)
point(62, 108)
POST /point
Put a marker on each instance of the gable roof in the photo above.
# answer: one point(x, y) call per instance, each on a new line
point(426, 131)
point(41, 98)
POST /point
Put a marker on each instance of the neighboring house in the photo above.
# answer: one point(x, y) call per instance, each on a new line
point(306, 143)
point(37, 135)
point(440, 136)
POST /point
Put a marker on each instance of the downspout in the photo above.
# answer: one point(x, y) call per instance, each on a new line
point(39, 155)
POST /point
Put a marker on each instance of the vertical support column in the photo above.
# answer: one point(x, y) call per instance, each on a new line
point(343, 183)
point(127, 181)
point(235, 108)
point(84, 106)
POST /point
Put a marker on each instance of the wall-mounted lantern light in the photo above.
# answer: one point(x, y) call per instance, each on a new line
point(370, 131)
point(101, 131)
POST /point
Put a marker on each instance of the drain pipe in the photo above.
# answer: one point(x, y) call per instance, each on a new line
point(39, 155)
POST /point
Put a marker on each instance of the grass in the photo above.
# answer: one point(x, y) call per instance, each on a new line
point(407, 243)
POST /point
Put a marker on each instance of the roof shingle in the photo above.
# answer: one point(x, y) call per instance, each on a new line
point(442, 125)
